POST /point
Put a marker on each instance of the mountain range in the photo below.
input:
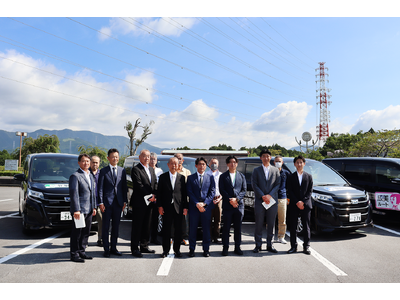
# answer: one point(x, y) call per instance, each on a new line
point(70, 140)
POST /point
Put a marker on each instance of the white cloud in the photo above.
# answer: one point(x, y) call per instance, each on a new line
point(387, 118)
point(143, 26)
point(26, 106)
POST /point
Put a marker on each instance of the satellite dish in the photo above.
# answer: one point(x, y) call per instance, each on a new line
point(306, 136)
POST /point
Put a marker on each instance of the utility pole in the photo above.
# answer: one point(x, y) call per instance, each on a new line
point(20, 134)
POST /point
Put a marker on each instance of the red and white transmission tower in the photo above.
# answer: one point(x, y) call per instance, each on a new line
point(324, 114)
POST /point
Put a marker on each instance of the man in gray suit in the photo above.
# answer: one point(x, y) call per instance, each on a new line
point(83, 205)
point(265, 181)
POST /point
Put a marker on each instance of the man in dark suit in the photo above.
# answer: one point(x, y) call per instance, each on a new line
point(113, 198)
point(201, 191)
point(172, 205)
point(144, 189)
point(83, 205)
point(299, 189)
point(232, 187)
point(265, 181)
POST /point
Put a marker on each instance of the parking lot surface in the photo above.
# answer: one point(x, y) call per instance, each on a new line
point(370, 255)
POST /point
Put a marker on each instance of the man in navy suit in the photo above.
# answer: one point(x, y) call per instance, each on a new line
point(144, 181)
point(113, 198)
point(265, 181)
point(83, 205)
point(299, 188)
point(232, 187)
point(201, 191)
point(172, 205)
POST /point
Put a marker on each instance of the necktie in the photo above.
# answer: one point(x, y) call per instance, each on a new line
point(114, 175)
point(201, 181)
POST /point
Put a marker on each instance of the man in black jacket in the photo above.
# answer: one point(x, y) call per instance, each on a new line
point(172, 205)
point(299, 187)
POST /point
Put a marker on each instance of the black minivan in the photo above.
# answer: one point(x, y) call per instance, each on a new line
point(44, 200)
point(336, 204)
point(380, 177)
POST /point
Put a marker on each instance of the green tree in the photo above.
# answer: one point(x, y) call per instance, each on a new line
point(3, 156)
point(221, 147)
point(100, 152)
point(131, 131)
point(316, 155)
point(385, 143)
point(42, 144)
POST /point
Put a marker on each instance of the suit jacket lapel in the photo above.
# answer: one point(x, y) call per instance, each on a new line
point(84, 178)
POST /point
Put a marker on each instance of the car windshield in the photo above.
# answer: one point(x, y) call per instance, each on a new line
point(322, 175)
point(46, 169)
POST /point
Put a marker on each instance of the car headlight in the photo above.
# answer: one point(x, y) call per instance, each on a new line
point(35, 194)
point(322, 197)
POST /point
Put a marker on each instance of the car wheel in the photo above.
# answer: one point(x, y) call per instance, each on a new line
point(26, 229)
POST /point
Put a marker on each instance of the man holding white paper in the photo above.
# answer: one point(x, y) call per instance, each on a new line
point(144, 182)
point(265, 181)
point(83, 207)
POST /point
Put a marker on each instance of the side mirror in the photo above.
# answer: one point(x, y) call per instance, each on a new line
point(19, 177)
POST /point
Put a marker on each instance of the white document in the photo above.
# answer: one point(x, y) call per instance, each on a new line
point(271, 202)
point(81, 222)
point(146, 199)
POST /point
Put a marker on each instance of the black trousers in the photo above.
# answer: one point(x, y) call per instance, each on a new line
point(113, 213)
point(171, 217)
point(79, 237)
point(234, 216)
point(305, 215)
point(140, 227)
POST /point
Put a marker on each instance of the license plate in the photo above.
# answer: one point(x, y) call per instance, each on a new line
point(355, 217)
point(65, 216)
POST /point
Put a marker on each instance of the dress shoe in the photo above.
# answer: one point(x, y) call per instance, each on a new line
point(292, 250)
point(116, 252)
point(100, 243)
point(85, 256)
point(147, 250)
point(77, 259)
point(164, 255)
point(238, 251)
point(206, 253)
point(137, 253)
point(257, 249)
point(106, 254)
point(224, 251)
point(217, 241)
point(191, 253)
point(272, 249)
point(178, 254)
point(185, 242)
point(306, 250)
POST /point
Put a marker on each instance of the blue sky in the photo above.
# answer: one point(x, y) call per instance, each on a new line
point(204, 80)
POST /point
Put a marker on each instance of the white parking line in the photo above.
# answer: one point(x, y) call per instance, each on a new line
point(26, 249)
point(10, 215)
point(387, 229)
point(323, 260)
point(6, 200)
point(166, 264)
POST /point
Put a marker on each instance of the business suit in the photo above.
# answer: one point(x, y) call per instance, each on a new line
point(173, 212)
point(83, 199)
point(196, 194)
point(113, 195)
point(142, 186)
point(297, 193)
point(263, 186)
point(232, 214)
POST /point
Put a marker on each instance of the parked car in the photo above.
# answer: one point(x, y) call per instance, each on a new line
point(336, 204)
point(380, 177)
point(44, 200)
point(162, 160)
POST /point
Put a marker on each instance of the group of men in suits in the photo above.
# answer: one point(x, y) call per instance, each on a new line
point(169, 195)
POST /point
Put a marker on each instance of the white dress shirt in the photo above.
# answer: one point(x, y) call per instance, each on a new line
point(300, 177)
point(147, 171)
point(266, 171)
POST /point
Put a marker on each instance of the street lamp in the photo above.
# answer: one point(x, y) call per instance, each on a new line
point(20, 134)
